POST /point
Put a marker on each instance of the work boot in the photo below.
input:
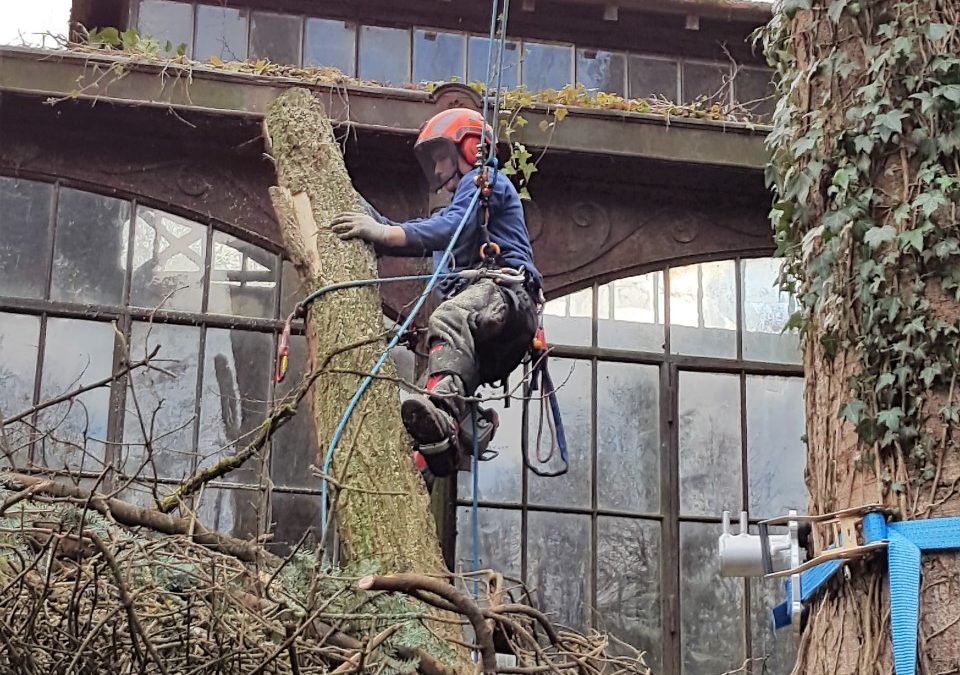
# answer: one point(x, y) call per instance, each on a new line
point(434, 431)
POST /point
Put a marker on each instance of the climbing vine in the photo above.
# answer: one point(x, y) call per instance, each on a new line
point(865, 212)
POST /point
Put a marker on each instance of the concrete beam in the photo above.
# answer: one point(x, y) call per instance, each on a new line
point(65, 75)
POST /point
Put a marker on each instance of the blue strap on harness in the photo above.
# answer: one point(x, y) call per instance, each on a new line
point(905, 541)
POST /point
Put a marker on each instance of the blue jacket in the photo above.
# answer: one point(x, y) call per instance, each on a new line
point(506, 226)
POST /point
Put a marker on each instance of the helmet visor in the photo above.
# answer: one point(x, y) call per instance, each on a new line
point(439, 160)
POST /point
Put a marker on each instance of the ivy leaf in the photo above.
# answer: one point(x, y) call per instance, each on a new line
point(902, 45)
point(876, 236)
point(929, 202)
point(897, 487)
point(950, 413)
point(560, 113)
point(790, 7)
point(890, 418)
point(836, 9)
point(863, 143)
point(951, 92)
point(884, 381)
point(889, 123)
point(938, 31)
point(929, 374)
point(853, 411)
point(912, 238)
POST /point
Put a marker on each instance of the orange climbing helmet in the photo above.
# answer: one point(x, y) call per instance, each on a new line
point(447, 137)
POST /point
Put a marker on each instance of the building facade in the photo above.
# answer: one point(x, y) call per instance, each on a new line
point(134, 214)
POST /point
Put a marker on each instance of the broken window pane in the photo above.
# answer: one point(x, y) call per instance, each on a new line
point(775, 452)
point(237, 368)
point(76, 353)
point(711, 630)
point(438, 56)
point(24, 237)
point(573, 382)
point(558, 566)
point(653, 77)
point(628, 437)
point(169, 256)
point(628, 585)
point(547, 66)
point(160, 406)
point(167, 22)
point(630, 313)
point(243, 279)
point(275, 37)
point(385, 54)
point(89, 249)
point(499, 540)
point(709, 425)
point(479, 62)
point(221, 33)
point(703, 310)
point(602, 71)
point(707, 80)
point(766, 310)
point(330, 43)
point(19, 339)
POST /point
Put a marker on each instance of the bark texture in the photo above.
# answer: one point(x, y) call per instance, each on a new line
point(852, 148)
point(383, 512)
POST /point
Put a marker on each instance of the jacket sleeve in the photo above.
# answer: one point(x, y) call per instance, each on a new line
point(434, 233)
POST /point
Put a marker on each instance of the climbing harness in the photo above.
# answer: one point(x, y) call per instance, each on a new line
point(855, 533)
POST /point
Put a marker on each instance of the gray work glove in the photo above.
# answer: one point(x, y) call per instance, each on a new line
point(359, 226)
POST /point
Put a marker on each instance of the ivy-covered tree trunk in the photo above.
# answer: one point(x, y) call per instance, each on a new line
point(865, 165)
point(383, 511)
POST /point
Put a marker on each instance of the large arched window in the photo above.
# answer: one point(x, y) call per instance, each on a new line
point(681, 398)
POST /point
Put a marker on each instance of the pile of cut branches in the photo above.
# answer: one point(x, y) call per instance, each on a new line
point(92, 584)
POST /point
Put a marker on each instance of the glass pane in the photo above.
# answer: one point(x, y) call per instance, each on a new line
point(438, 55)
point(568, 320)
point(766, 310)
point(169, 256)
point(573, 382)
point(237, 368)
point(385, 54)
point(24, 237)
point(330, 43)
point(90, 248)
point(776, 650)
point(499, 540)
point(499, 479)
point(547, 66)
point(631, 313)
point(234, 512)
point(221, 32)
point(558, 566)
point(711, 629)
point(160, 406)
point(290, 291)
point(628, 585)
point(754, 89)
point(76, 353)
point(295, 443)
point(243, 280)
point(709, 419)
point(703, 310)
point(167, 22)
point(628, 437)
point(652, 77)
point(708, 80)
point(776, 455)
point(275, 37)
point(292, 515)
point(604, 71)
point(19, 340)
point(479, 60)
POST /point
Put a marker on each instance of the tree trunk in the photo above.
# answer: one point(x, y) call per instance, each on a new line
point(865, 169)
point(383, 511)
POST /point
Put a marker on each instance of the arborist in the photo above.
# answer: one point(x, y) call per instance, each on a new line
point(486, 324)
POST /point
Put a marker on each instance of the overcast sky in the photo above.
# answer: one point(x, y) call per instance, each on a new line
point(31, 17)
